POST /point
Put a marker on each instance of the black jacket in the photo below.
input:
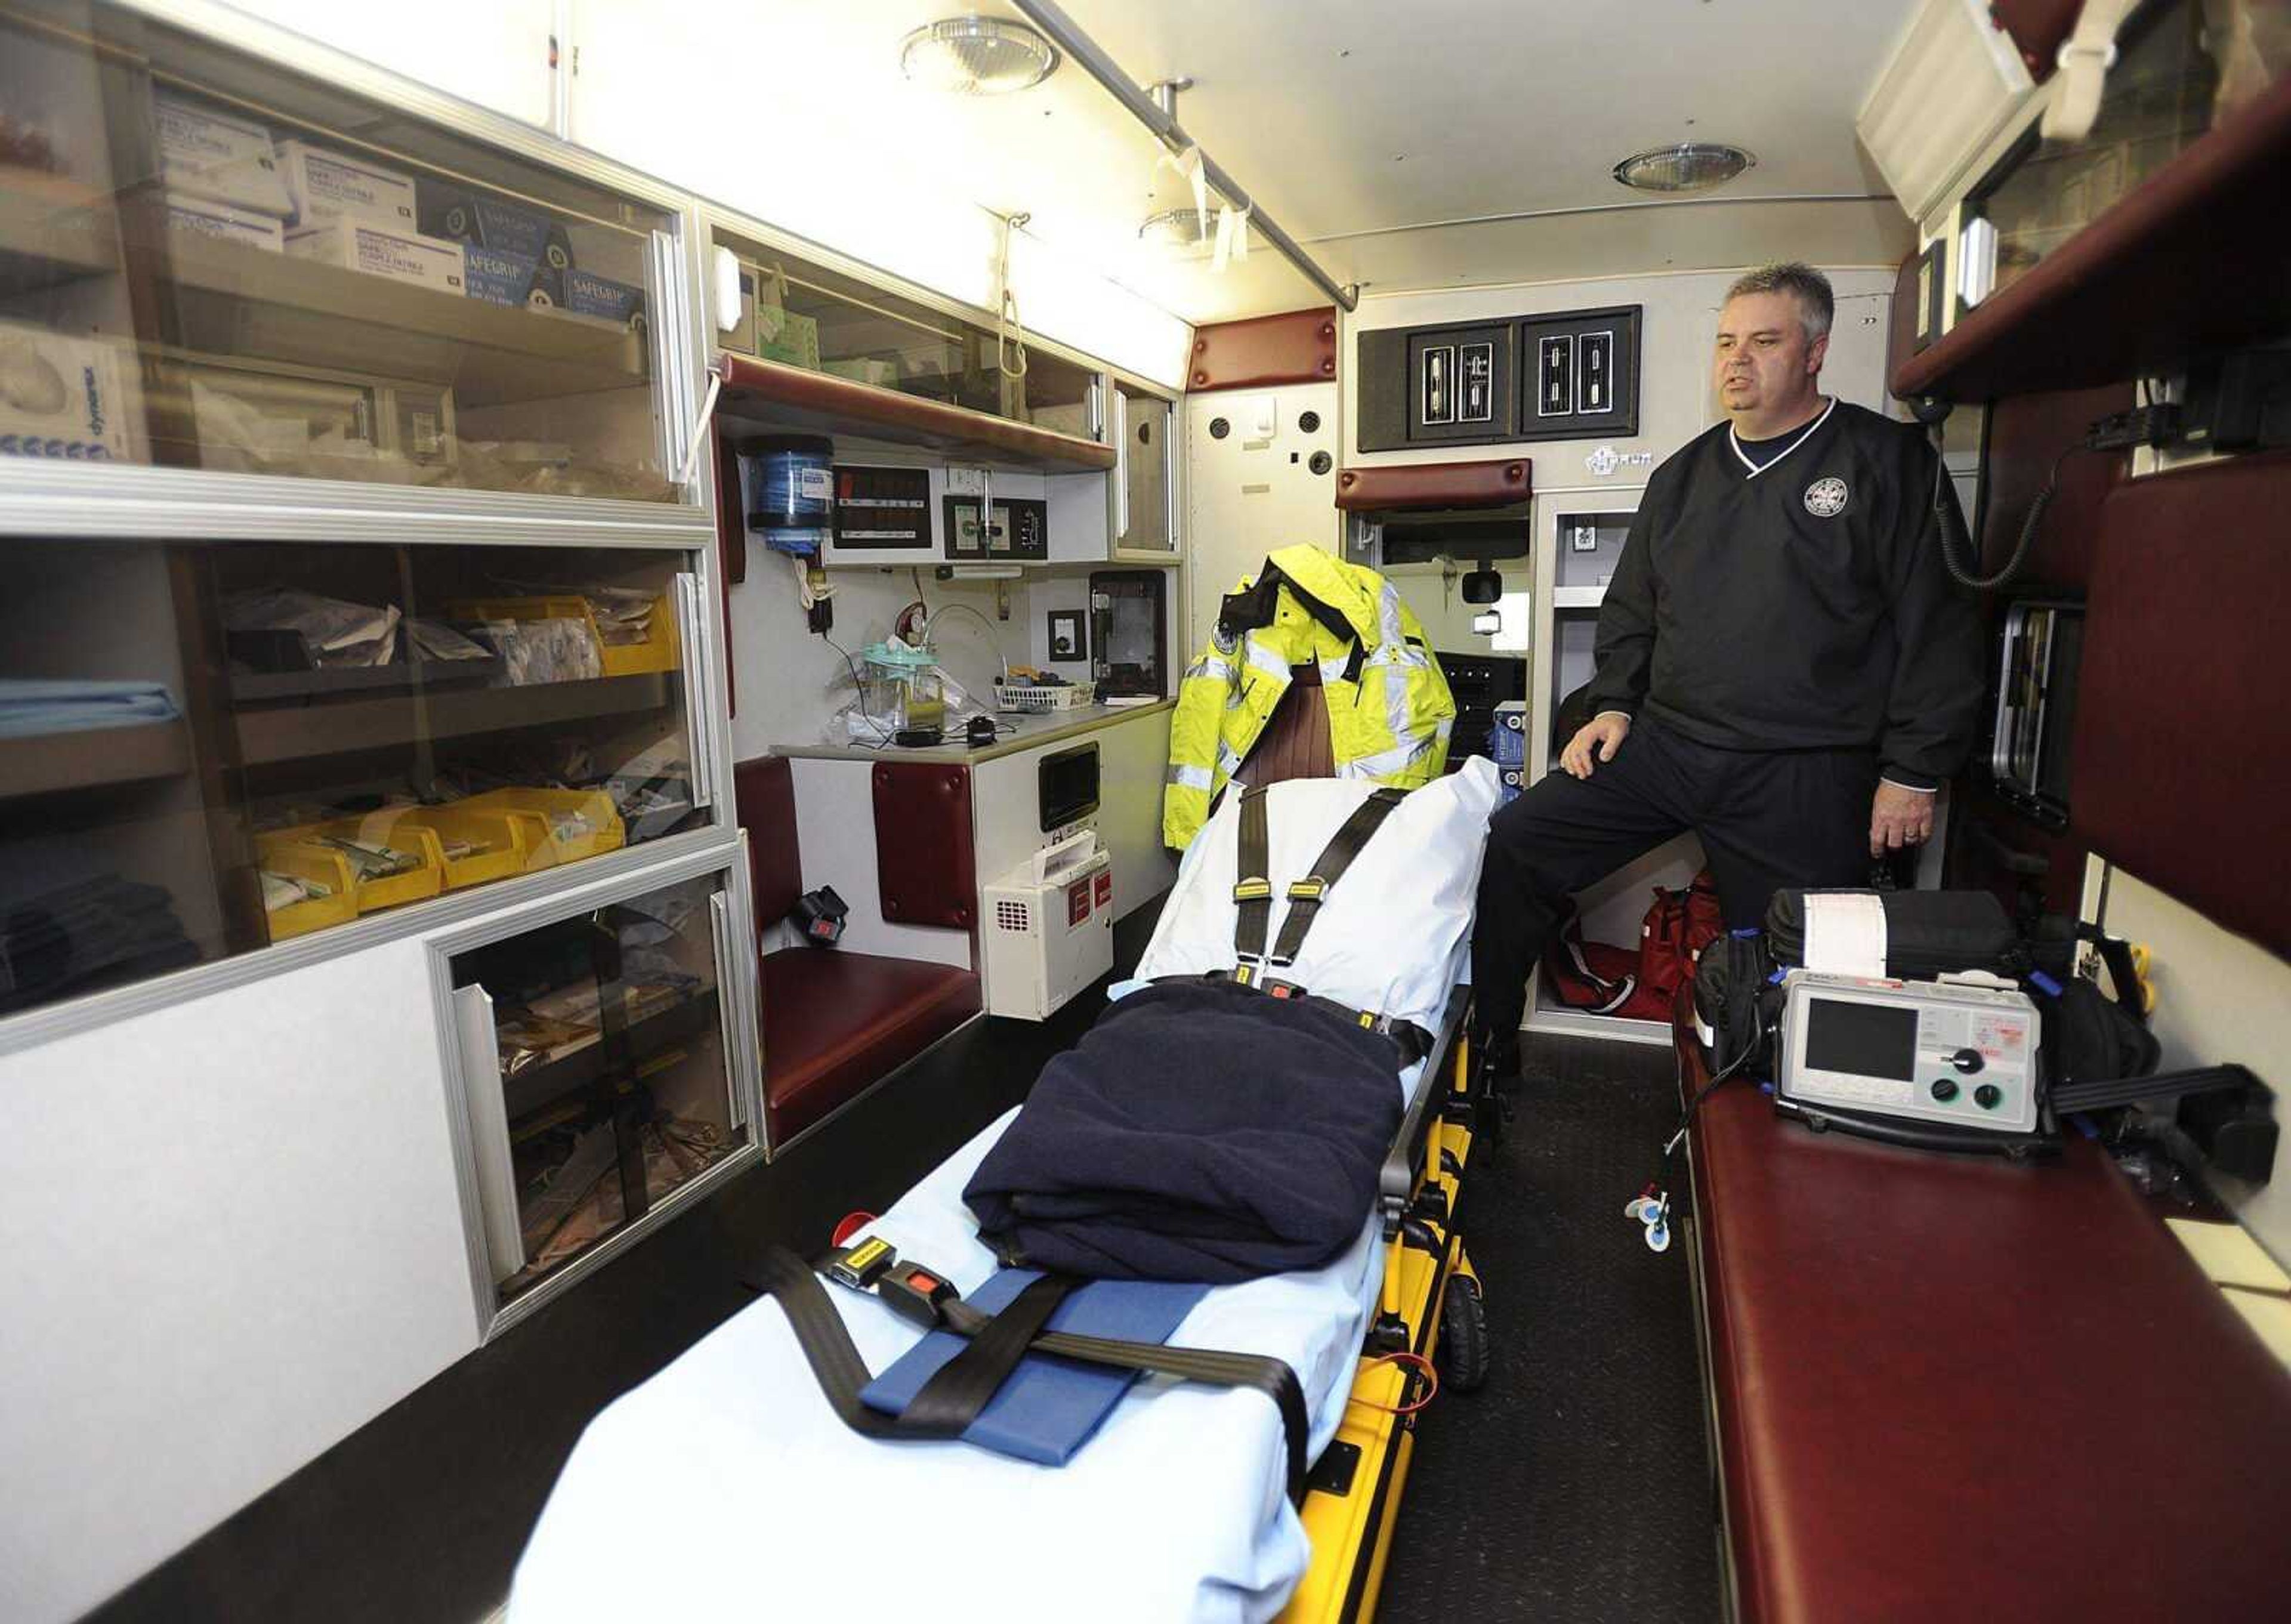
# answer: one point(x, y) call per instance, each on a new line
point(1199, 1131)
point(1805, 606)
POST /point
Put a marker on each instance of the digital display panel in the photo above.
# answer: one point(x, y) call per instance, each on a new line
point(1865, 1040)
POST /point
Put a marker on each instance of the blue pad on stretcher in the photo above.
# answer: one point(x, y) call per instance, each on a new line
point(1050, 1407)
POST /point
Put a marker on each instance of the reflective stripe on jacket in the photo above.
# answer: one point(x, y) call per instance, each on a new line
point(1389, 708)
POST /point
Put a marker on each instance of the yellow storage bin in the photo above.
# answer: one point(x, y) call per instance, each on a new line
point(507, 843)
point(368, 895)
point(320, 866)
point(659, 651)
point(575, 824)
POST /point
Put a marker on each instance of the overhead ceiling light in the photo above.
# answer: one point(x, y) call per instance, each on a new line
point(978, 56)
point(1690, 166)
point(1181, 231)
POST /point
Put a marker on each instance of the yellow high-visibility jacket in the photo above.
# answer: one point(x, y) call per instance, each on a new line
point(1389, 708)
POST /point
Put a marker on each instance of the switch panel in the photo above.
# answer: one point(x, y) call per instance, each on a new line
point(1585, 381)
point(1558, 375)
point(1459, 386)
point(1554, 375)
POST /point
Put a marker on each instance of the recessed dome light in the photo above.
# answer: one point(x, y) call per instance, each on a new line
point(1181, 231)
point(978, 56)
point(1690, 166)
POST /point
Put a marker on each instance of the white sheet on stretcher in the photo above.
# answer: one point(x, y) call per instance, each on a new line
point(725, 1487)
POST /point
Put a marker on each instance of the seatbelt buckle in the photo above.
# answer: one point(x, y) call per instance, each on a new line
point(1255, 889)
point(1244, 974)
point(916, 1293)
point(860, 1265)
point(1282, 989)
point(1311, 887)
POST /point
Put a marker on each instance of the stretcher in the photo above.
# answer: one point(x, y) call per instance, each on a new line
point(725, 1486)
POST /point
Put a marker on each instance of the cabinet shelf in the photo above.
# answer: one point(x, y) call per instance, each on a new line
point(2191, 260)
point(269, 687)
point(52, 230)
point(773, 398)
point(541, 1086)
point(1577, 597)
point(294, 733)
point(41, 763)
point(238, 300)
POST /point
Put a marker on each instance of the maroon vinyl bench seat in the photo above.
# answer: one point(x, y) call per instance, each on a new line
point(835, 1022)
point(1945, 1387)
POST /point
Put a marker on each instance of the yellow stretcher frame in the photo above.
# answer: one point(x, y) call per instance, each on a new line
point(1349, 1519)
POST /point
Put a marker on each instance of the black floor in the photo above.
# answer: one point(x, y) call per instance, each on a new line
point(1573, 1484)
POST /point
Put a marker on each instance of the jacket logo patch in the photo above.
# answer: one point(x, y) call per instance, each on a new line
point(1826, 498)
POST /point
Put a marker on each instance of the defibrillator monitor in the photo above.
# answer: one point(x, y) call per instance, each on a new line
point(1936, 1051)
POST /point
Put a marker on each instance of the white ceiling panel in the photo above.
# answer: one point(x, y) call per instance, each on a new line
point(1407, 145)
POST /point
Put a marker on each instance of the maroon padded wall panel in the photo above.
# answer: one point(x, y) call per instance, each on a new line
point(2037, 27)
point(1493, 483)
point(2025, 434)
point(763, 795)
point(1297, 347)
point(732, 556)
point(1295, 743)
point(2182, 761)
point(926, 868)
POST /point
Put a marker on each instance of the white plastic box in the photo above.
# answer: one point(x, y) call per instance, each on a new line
point(401, 256)
point(326, 187)
point(1048, 929)
point(221, 220)
point(219, 157)
point(60, 397)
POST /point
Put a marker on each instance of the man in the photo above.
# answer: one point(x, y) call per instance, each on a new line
point(1784, 666)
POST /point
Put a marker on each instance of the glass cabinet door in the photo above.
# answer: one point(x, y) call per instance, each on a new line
point(600, 1053)
point(2157, 98)
point(208, 262)
point(804, 314)
point(209, 747)
point(1143, 426)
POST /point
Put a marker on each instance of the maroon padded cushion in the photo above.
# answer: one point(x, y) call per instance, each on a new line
point(2182, 735)
point(763, 791)
point(1947, 1385)
point(1490, 483)
point(1260, 351)
point(925, 867)
point(1295, 740)
point(834, 1022)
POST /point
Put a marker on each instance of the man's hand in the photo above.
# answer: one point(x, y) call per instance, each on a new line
point(1604, 734)
point(1899, 818)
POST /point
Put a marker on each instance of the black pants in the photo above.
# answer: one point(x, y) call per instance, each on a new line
point(1767, 821)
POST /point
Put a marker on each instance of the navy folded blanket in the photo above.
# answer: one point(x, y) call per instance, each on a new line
point(1199, 1131)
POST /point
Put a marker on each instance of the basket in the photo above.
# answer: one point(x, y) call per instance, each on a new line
point(657, 653)
point(1041, 702)
point(280, 849)
point(558, 839)
point(326, 868)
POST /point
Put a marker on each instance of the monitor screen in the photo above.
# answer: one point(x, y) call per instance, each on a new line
point(1865, 1040)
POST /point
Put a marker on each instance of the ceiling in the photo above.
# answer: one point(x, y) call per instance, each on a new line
point(1408, 146)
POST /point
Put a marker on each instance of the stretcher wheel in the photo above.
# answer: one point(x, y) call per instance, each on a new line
point(1462, 1355)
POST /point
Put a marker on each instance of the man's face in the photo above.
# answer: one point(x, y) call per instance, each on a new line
point(1763, 361)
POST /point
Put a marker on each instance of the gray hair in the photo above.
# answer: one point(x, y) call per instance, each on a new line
point(1815, 302)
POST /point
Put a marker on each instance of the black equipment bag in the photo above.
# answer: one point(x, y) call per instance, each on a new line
point(2089, 1037)
point(1736, 1002)
point(1927, 933)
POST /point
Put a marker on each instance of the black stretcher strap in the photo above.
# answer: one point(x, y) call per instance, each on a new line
point(842, 1375)
point(951, 1399)
point(1252, 894)
point(1306, 897)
